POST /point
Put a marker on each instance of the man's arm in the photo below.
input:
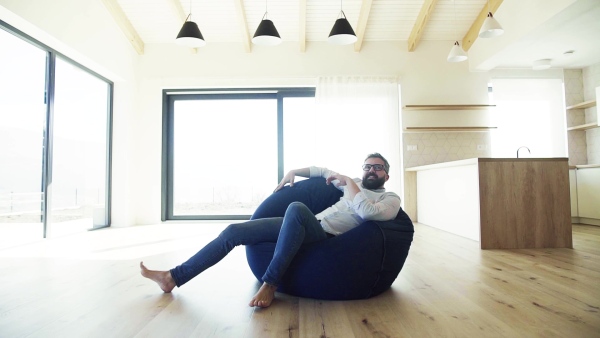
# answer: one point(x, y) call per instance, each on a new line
point(291, 175)
point(346, 181)
point(383, 210)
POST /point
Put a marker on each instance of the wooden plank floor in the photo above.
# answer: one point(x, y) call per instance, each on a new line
point(88, 285)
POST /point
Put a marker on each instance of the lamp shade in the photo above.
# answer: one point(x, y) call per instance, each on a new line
point(457, 54)
point(342, 33)
point(190, 35)
point(541, 64)
point(266, 34)
point(490, 27)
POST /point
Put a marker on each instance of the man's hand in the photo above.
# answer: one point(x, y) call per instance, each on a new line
point(343, 180)
point(288, 178)
point(291, 176)
point(351, 186)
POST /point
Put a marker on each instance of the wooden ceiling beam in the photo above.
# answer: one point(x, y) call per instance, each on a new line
point(243, 24)
point(363, 19)
point(178, 9)
point(419, 26)
point(302, 21)
point(473, 33)
point(125, 25)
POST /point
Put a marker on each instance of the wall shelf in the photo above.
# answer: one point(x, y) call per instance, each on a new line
point(583, 105)
point(434, 117)
point(448, 106)
point(575, 111)
point(584, 126)
point(422, 129)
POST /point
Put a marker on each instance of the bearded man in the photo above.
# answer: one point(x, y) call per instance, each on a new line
point(363, 200)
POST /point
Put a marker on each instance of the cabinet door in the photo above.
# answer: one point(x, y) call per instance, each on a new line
point(588, 192)
point(573, 191)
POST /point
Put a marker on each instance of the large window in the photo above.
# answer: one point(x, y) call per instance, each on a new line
point(530, 113)
point(225, 152)
point(54, 142)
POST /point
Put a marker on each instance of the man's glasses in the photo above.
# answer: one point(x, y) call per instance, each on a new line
point(376, 167)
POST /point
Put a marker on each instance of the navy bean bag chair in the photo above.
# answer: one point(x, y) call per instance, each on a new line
point(357, 264)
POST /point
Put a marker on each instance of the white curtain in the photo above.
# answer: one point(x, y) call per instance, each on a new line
point(356, 116)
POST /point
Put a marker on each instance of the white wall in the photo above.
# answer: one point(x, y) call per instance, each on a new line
point(425, 77)
point(85, 32)
point(425, 74)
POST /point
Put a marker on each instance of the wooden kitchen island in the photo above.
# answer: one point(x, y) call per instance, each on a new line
point(504, 203)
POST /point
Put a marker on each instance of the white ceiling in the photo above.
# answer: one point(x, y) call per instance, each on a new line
point(575, 28)
point(156, 21)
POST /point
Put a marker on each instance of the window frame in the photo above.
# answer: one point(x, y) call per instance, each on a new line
point(51, 55)
point(172, 95)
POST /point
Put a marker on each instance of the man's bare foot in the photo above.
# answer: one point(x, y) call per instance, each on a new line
point(162, 278)
point(264, 296)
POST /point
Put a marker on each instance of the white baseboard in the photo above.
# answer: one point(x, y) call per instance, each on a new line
point(584, 220)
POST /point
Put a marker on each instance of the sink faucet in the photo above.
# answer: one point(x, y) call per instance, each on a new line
point(521, 148)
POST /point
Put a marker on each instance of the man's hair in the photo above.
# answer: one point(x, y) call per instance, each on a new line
point(386, 164)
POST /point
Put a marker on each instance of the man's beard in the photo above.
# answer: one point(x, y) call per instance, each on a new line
point(373, 184)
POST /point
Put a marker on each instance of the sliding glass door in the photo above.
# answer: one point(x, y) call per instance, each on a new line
point(79, 150)
point(54, 142)
point(22, 120)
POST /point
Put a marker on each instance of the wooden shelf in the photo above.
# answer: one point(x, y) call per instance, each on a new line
point(585, 166)
point(448, 106)
point(422, 129)
point(583, 105)
point(584, 126)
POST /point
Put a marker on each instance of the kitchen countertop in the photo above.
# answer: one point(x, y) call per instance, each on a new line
point(504, 203)
point(485, 159)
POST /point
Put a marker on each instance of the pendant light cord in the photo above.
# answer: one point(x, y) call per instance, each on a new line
point(266, 9)
point(454, 7)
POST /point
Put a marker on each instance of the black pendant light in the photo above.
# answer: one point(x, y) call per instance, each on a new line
point(190, 35)
point(266, 34)
point(342, 32)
